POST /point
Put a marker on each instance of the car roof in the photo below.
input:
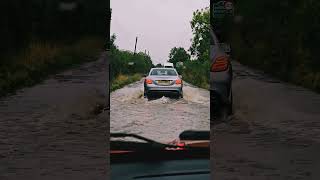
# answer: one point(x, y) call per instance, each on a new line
point(168, 64)
point(163, 68)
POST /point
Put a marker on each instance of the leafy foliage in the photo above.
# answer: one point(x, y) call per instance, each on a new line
point(122, 80)
point(200, 24)
point(121, 61)
point(281, 38)
point(38, 38)
point(196, 71)
point(24, 21)
point(41, 59)
point(178, 55)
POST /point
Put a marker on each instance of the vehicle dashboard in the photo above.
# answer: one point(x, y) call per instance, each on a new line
point(168, 169)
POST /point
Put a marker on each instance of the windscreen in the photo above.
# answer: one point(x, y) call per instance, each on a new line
point(162, 104)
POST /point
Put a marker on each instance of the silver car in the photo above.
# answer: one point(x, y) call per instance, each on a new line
point(164, 82)
point(220, 81)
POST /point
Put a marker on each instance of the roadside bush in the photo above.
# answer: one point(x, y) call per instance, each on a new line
point(41, 59)
point(196, 73)
point(280, 38)
point(122, 80)
point(120, 60)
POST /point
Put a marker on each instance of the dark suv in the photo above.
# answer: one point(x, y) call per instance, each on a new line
point(220, 81)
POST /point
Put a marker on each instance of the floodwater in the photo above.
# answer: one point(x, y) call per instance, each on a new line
point(273, 134)
point(162, 119)
point(56, 128)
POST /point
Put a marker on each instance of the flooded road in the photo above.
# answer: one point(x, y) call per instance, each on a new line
point(274, 133)
point(57, 128)
point(161, 119)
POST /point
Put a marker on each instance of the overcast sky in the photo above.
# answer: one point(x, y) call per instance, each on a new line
point(159, 24)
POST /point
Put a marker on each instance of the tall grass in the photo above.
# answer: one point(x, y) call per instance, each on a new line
point(42, 58)
point(122, 80)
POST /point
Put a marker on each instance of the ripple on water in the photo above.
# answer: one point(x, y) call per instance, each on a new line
point(162, 119)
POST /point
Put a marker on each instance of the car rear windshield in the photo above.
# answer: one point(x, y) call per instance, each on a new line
point(163, 72)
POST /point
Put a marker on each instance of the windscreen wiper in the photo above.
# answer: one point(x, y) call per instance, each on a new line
point(125, 151)
point(148, 141)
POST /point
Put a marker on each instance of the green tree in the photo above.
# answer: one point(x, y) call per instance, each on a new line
point(280, 38)
point(113, 38)
point(121, 61)
point(178, 55)
point(197, 71)
point(200, 24)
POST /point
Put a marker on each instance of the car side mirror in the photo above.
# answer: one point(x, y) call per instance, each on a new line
point(145, 75)
point(180, 76)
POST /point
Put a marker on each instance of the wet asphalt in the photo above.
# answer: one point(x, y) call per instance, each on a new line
point(59, 129)
point(161, 119)
point(273, 134)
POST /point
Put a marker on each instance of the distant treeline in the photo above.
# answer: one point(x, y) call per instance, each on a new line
point(49, 20)
point(281, 38)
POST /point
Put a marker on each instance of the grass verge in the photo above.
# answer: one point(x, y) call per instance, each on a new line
point(122, 80)
point(41, 59)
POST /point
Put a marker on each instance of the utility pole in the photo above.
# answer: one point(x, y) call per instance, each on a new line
point(107, 48)
point(107, 43)
point(135, 46)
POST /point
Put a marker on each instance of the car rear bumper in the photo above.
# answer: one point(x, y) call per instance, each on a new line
point(220, 84)
point(223, 97)
point(164, 90)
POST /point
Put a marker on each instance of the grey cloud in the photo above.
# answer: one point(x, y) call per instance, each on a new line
point(159, 24)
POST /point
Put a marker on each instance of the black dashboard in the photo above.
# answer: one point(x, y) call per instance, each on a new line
point(196, 169)
point(156, 161)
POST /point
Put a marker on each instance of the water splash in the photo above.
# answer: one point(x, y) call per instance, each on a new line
point(162, 119)
point(162, 100)
point(196, 95)
point(128, 93)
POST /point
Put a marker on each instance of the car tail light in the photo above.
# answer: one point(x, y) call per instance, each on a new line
point(181, 144)
point(221, 64)
point(178, 81)
point(149, 81)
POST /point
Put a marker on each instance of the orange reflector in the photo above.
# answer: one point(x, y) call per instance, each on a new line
point(178, 81)
point(148, 81)
point(220, 64)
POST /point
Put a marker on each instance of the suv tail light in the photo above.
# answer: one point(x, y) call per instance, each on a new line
point(149, 81)
point(221, 64)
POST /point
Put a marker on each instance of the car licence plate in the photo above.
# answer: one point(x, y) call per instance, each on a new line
point(163, 82)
